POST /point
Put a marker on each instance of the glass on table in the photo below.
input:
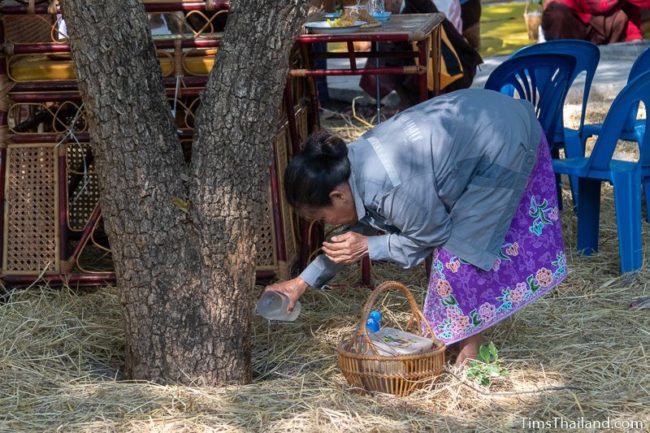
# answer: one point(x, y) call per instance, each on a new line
point(375, 7)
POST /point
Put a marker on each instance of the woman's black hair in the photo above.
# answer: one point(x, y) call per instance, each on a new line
point(313, 173)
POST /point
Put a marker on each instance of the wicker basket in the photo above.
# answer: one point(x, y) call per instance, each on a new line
point(399, 375)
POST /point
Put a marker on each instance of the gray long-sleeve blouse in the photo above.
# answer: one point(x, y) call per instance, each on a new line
point(447, 172)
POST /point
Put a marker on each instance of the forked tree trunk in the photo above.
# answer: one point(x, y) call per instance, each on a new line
point(183, 238)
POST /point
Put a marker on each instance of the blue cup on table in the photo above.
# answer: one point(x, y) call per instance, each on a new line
point(381, 16)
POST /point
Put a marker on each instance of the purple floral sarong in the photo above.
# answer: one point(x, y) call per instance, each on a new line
point(463, 300)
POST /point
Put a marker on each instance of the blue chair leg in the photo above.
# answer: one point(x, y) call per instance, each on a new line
point(627, 198)
point(573, 148)
point(555, 154)
point(588, 215)
point(646, 190)
point(558, 191)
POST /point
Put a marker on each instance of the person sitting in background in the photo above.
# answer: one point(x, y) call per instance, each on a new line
point(459, 59)
point(597, 21)
point(470, 14)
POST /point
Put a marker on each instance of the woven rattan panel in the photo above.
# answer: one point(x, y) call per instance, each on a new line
point(302, 123)
point(282, 145)
point(28, 28)
point(266, 256)
point(31, 230)
point(83, 185)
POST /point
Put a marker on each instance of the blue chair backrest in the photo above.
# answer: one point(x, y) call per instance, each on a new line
point(641, 65)
point(638, 90)
point(541, 79)
point(586, 54)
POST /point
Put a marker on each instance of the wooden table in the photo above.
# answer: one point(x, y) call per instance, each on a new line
point(422, 30)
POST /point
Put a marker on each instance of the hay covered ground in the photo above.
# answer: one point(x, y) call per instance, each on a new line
point(579, 353)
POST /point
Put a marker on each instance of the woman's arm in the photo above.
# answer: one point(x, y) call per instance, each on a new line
point(421, 219)
point(323, 268)
point(320, 271)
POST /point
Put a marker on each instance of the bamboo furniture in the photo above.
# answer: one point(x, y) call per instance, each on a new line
point(421, 30)
point(50, 224)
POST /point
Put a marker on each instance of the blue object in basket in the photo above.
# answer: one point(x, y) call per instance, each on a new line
point(372, 324)
point(381, 16)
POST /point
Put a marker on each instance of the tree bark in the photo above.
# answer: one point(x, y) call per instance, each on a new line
point(183, 238)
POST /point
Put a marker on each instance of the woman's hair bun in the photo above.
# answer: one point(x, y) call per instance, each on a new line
point(315, 171)
point(324, 144)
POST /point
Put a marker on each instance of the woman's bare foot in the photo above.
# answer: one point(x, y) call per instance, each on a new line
point(469, 349)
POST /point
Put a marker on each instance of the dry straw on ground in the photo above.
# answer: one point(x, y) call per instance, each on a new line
point(578, 352)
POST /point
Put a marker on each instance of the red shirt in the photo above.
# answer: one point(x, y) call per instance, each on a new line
point(586, 8)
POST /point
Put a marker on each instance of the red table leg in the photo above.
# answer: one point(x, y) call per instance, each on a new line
point(427, 263)
point(366, 267)
point(423, 58)
point(436, 56)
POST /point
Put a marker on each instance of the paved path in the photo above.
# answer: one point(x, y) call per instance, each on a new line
point(611, 75)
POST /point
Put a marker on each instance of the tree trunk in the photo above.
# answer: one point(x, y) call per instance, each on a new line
point(183, 238)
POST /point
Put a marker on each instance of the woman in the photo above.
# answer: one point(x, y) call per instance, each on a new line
point(597, 21)
point(466, 177)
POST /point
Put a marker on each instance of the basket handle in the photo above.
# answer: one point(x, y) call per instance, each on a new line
point(417, 316)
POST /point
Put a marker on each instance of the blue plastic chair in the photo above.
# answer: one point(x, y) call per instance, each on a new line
point(586, 56)
point(541, 79)
point(633, 130)
point(626, 177)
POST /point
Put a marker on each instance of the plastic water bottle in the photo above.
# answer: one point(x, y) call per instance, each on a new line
point(274, 306)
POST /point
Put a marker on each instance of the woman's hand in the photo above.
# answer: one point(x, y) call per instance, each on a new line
point(292, 288)
point(347, 248)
